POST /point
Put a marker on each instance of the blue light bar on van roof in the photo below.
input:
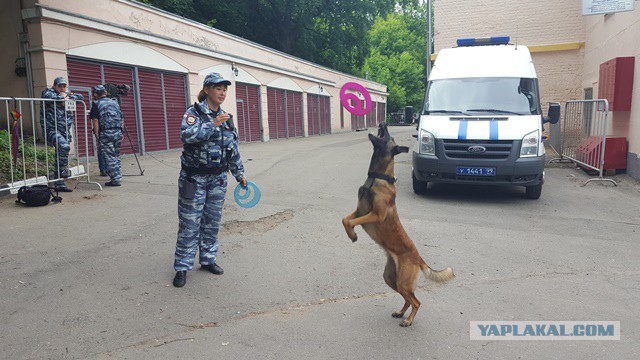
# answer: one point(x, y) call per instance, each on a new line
point(494, 40)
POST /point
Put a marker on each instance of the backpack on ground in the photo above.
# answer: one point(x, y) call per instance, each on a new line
point(37, 195)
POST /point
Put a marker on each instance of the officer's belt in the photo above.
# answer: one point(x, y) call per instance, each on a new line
point(203, 170)
point(111, 128)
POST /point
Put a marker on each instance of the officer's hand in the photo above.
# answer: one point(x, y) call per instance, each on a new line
point(243, 182)
point(220, 119)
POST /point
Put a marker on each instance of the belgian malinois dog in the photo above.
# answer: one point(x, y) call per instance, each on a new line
point(378, 216)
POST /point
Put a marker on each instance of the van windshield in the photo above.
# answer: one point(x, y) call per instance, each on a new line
point(478, 96)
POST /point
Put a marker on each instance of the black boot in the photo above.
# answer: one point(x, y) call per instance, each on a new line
point(180, 279)
point(62, 188)
point(213, 268)
point(112, 183)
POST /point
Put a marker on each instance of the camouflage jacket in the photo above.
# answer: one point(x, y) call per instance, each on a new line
point(208, 147)
point(53, 113)
point(108, 113)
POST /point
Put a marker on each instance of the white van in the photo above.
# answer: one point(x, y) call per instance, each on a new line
point(482, 121)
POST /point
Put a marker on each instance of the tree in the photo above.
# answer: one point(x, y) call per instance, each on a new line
point(329, 32)
point(398, 57)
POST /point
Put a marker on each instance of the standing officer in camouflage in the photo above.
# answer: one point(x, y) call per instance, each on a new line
point(102, 165)
point(210, 150)
point(106, 117)
point(56, 125)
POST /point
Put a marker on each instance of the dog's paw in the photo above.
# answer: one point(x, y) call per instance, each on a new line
point(354, 239)
point(397, 315)
point(405, 324)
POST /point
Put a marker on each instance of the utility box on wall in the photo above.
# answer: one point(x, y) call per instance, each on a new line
point(616, 82)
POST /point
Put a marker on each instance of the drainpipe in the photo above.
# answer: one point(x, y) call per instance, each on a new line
point(429, 51)
point(24, 41)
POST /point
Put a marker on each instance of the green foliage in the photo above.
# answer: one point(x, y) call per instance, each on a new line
point(31, 155)
point(385, 37)
point(328, 32)
point(398, 57)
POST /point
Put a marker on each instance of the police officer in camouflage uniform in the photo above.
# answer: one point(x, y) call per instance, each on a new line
point(56, 125)
point(102, 165)
point(210, 151)
point(106, 117)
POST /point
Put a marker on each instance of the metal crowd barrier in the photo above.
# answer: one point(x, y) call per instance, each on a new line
point(583, 135)
point(32, 161)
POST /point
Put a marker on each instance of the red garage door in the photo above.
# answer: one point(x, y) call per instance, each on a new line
point(87, 74)
point(318, 114)
point(248, 112)
point(162, 102)
point(382, 113)
point(313, 116)
point(277, 123)
point(162, 105)
point(370, 118)
point(294, 114)
point(84, 74)
point(175, 94)
point(285, 113)
point(357, 121)
point(152, 110)
point(325, 115)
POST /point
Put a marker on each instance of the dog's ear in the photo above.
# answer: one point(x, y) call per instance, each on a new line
point(400, 149)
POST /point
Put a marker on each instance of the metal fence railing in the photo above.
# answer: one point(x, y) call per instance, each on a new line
point(31, 161)
point(583, 135)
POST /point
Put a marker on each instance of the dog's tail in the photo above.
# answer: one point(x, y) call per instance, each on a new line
point(439, 276)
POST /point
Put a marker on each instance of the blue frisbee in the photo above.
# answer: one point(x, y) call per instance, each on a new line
point(247, 197)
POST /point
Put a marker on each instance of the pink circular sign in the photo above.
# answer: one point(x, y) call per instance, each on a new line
point(357, 108)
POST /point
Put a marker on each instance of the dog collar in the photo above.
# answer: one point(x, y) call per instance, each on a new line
point(389, 179)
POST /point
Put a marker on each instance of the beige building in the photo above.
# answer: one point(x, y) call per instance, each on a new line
point(164, 59)
point(567, 48)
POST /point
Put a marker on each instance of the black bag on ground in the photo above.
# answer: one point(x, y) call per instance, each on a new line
point(37, 195)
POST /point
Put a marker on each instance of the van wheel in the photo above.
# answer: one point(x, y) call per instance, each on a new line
point(419, 187)
point(534, 192)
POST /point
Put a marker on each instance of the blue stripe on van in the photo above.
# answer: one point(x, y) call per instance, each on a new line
point(462, 130)
point(493, 130)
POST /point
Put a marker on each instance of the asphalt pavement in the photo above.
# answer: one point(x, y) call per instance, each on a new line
point(90, 278)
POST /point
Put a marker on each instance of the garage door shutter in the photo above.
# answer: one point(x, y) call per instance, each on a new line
point(152, 110)
point(285, 113)
point(318, 114)
point(176, 105)
point(382, 112)
point(84, 74)
point(294, 114)
point(325, 114)
point(313, 121)
point(370, 118)
point(275, 100)
point(357, 121)
point(248, 112)
point(162, 101)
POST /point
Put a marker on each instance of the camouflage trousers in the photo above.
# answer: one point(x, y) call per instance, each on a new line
point(102, 164)
point(61, 160)
point(110, 141)
point(199, 220)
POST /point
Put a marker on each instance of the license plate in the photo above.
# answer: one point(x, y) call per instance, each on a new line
point(476, 171)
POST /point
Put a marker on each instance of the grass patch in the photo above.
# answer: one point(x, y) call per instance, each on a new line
point(32, 156)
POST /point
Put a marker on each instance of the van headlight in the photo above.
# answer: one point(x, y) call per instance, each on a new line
point(427, 143)
point(530, 144)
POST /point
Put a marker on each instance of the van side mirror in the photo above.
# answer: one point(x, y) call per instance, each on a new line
point(553, 115)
